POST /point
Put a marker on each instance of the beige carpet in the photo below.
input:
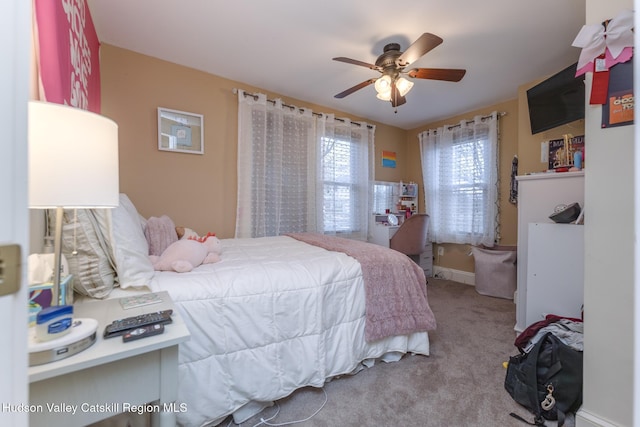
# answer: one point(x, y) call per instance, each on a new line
point(460, 384)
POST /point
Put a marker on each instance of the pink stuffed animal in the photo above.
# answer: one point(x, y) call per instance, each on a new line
point(186, 254)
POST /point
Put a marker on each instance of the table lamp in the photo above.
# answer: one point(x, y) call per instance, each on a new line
point(73, 163)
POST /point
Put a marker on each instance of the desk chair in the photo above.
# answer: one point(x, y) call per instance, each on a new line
point(411, 237)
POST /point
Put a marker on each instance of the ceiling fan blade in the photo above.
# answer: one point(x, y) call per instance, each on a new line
point(355, 88)
point(447, 74)
point(424, 44)
point(396, 98)
point(356, 62)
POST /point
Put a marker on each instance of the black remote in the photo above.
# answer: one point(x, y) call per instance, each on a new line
point(119, 327)
point(143, 332)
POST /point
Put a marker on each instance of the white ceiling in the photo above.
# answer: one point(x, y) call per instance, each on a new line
point(287, 46)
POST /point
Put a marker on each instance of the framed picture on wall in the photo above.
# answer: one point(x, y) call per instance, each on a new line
point(180, 131)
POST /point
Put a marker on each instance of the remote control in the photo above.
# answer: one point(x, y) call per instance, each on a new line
point(143, 332)
point(119, 327)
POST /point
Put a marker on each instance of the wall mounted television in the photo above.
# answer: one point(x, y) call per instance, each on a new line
point(556, 101)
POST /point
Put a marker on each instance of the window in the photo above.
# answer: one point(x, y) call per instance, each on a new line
point(340, 186)
point(468, 187)
point(301, 171)
point(461, 177)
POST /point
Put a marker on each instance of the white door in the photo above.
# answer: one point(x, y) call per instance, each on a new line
point(15, 45)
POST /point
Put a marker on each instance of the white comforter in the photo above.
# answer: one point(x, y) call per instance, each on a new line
point(274, 315)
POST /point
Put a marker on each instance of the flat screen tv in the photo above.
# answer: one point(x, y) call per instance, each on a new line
point(556, 101)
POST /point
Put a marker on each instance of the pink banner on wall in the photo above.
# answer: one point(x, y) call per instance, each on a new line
point(68, 53)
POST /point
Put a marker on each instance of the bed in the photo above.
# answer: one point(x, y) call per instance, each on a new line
point(273, 315)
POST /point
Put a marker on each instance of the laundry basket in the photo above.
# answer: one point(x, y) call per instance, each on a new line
point(496, 272)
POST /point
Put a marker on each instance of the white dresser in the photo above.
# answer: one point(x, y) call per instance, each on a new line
point(538, 195)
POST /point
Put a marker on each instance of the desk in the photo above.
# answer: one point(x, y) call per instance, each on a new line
point(381, 234)
point(111, 377)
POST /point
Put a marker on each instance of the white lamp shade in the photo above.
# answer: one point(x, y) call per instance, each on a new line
point(385, 96)
point(73, 158)
point(383, 84)
point(403, 85)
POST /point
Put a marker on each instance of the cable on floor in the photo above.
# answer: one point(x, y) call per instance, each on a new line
point(266, 422)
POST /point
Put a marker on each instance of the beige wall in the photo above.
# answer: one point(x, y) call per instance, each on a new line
point(196, 191)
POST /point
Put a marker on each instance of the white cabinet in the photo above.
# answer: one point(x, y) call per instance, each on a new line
point(380, 234)
point(555, 271)
point(538, 195)
point(426, 260)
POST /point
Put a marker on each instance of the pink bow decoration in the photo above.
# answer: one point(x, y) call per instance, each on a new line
point(614, 39)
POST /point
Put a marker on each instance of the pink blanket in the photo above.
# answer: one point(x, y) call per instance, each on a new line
point(395, 286)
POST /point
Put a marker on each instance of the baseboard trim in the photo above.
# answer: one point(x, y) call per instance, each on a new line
point(589, 419)
point(455, 275)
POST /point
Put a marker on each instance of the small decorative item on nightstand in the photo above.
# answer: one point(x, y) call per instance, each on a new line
point(41, 296)
point(54, 322)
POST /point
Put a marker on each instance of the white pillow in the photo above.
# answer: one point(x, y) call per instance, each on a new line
point(130, 247)
point(85, 244)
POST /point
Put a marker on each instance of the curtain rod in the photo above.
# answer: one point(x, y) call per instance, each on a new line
point(293, 107)
point(500, 114)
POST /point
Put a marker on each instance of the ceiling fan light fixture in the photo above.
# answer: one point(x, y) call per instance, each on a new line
point(385, 96)
point(403, 85)
point(383, 85)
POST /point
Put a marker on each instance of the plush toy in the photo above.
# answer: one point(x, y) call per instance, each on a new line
point(186, 233)
point(186, 254)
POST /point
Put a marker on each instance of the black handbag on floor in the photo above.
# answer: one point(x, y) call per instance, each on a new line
point(547, 380)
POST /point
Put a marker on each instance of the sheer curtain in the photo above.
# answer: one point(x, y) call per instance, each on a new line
point(299, 171)
point(276, 188)
point(460, 173)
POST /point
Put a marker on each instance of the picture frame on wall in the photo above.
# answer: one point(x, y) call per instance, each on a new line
point(180, 131)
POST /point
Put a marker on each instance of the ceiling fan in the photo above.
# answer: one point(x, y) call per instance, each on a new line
point(392, 85)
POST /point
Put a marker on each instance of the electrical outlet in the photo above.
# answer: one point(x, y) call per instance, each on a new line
point(440, 250)
point(9, 269)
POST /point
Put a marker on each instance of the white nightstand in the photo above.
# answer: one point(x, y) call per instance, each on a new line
point(111, 377)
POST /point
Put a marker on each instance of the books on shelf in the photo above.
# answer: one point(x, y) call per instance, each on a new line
point(562, 151)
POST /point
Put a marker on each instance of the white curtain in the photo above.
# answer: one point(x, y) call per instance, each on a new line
point(460, 172)
point(276, 189)
point(299, 172)
point(345, 167)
